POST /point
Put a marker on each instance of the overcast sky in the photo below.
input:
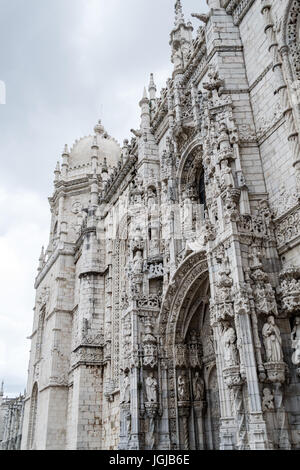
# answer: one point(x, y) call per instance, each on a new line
point(65, 63)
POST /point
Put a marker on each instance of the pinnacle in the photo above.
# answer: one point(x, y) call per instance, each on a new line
point(179, 17)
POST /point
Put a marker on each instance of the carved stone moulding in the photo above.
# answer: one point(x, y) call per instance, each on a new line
point(232, 376)
point(290, 290)
point(275, 371)
point(184, 408)
point(221, 312)
point(151, 409)
point(241, 303)
point(181, 355)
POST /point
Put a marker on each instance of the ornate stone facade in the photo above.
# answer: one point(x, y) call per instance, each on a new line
point(167, 311)
point(11, 421)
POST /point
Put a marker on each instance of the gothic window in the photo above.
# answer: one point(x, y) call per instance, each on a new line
point(32, 417)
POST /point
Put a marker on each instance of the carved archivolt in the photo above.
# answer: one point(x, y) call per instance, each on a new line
point(291, 33)
point(189, 169)
point(192, 272)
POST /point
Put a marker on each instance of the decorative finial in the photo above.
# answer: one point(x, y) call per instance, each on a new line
point(99, 129)
point(66, 151)
point(152, 85)
point(42, 255)
point(179, 18)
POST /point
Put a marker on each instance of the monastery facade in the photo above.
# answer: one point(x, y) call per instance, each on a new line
point(167, 311)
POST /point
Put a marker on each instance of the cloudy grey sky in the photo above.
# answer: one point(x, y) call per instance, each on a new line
point(65, 63)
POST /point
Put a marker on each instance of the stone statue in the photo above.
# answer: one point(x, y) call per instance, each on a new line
point(138, 263)
point(227, 180)
point(231, 355)
point(125, 390)
point(198, 387)
point(151, 388)
point(295, 337)
point(183, 393)
point(268, 400)
point(272, 341)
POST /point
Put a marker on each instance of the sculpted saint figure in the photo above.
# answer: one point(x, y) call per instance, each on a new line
point(138, 263)
point(231, 354)
point(151, 388)
point(182, 388)
point(272, 341)
point(125, 390)
point(295, 337)
point(198, 387)
point(226, 175)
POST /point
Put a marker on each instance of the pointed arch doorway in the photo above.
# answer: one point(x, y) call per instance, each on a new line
point(193, 396)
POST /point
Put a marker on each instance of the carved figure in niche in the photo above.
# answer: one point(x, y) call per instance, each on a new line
point(268, 400)
point(272, 341)
point(151, 197)
point(231, 355)
point(151, 388)
point(182, 386)
point(177, 58)
point(295, 337)
point(138, 263)
point(125, 390)
point(198, 387)
point(227, 180)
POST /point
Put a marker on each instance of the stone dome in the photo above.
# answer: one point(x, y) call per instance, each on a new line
point(109, 148)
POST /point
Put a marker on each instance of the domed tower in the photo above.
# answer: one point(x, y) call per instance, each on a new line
point(67, 338)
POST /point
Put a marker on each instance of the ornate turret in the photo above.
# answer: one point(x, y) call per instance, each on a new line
point(95, 152)
point(57, 172)
point(152, 93)
point(41, 259)
point(145, 111)
point(65, 164)
point(181, 39)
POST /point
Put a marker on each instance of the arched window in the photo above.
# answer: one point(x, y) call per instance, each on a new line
point(33, 416)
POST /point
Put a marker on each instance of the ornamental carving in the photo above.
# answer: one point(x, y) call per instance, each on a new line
point(290, 290)
point(292, 37)
point(288, 228)
point(152, 301)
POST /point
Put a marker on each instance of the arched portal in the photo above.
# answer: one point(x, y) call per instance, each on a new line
point(194, 412)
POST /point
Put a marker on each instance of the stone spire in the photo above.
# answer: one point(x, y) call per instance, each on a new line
point(95, 153)
point(65, 163)
point(145, 111)
point(57, 172)
point(152, 87)
point(41, 259)
point(179, 17)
